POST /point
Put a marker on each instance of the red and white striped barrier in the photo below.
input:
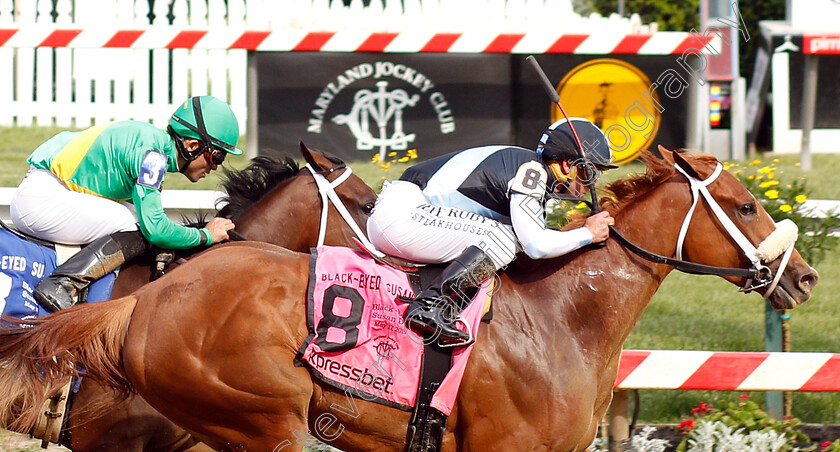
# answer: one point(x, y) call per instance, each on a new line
point(729, 371)
point(539, 42)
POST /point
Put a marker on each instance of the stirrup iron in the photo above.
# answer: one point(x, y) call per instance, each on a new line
point(460, 319)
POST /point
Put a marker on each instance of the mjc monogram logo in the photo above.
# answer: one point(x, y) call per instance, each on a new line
point(377, 117)
point(379, 107)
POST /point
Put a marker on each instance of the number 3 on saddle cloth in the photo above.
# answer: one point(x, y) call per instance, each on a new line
point(357, 340)
point(22, 265)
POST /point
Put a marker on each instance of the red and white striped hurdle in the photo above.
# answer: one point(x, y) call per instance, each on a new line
point(719, 371)
point(287, 40)
point(729, 371)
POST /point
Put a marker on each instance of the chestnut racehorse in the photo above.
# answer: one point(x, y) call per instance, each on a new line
point(212, 344)
point(270, 201)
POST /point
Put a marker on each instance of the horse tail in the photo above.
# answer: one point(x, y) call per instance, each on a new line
point(40, 356)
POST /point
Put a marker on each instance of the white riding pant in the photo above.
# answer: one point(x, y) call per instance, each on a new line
point(406, 225)
point(44, 207)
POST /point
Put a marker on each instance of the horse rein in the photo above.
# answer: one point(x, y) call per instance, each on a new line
point(327, 191)
point(759, 273)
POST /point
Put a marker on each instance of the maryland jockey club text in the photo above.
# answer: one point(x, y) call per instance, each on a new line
point(379, 70)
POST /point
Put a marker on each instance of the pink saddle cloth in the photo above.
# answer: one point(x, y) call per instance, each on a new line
point(357, 340)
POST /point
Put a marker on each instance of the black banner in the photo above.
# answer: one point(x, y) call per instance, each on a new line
point(356, 105)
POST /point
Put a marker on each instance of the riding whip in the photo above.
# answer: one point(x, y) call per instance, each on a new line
point(555, 98)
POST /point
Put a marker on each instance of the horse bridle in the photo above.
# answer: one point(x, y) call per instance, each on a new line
point(327, 191)
point(758, 275)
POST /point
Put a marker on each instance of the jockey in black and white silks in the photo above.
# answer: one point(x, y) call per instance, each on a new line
point(476, 208)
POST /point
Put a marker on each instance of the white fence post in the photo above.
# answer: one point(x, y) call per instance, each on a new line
point(180, 57)
point(7, 65)
point(160, 70)
point(25, 65)
point(63, 106)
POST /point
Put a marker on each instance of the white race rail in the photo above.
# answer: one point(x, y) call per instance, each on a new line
point(176, 202)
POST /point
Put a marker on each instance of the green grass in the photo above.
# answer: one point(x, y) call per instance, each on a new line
point(689, 312)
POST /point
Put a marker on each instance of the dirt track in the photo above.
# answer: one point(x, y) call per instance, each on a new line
point(16, 442)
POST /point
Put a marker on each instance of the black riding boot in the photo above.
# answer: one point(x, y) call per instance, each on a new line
point(446, 294)
point(61, 289)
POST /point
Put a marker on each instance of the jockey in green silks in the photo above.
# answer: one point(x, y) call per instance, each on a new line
point(102, 186)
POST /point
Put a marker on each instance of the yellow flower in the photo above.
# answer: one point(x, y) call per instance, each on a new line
point(403, 159)
point(785, 208)
point(750, 177)
point(375, 158)
point(800, 198)
point(797, 164)
point(765, 170)
point(771, 175)
point(412, 153)
point(775, 160)
point(392, 154)
point(581, 205)
point(769, 183)
point(755, 162)
point(771, 194)
point(728, 165)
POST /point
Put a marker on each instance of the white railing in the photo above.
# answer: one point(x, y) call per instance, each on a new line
point(180, 202)
point(176, 203)
point(76, 87)
point(79, 87)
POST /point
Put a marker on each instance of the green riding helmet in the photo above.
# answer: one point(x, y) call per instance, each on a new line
point(207, 119)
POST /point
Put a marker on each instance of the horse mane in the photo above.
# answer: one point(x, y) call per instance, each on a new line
point(246, 187)
point(624, 191)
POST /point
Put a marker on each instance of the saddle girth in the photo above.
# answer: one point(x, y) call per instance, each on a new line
point(427, 424)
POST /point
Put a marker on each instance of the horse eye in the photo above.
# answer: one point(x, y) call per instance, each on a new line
point(747, 209)
point(368, 208)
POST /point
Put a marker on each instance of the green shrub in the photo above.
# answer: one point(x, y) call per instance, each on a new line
point(742, 416)
point(784, 199)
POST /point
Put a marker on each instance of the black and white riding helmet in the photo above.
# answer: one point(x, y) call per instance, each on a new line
point(558, 143)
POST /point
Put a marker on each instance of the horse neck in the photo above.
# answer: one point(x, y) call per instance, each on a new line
point(287, 216)
point(290, 216)
point(601, 293)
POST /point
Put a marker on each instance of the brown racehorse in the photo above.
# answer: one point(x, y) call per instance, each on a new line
point(270, 201)
point(211, 345)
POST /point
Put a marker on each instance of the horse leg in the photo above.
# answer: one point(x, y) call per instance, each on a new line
point(97, 423)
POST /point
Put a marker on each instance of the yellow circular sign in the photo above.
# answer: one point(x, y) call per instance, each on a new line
point(618, 98)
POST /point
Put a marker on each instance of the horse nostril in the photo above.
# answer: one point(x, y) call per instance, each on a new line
point(808, 280)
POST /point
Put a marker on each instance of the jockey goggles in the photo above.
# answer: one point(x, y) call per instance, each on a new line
point(584, 173)
point(215, 156)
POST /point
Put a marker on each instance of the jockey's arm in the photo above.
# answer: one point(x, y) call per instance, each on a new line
point(158, 228)
point(538, 241)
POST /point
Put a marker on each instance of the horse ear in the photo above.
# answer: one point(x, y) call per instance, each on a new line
point(666, 154)
point(309, 156)
point(697, 169)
